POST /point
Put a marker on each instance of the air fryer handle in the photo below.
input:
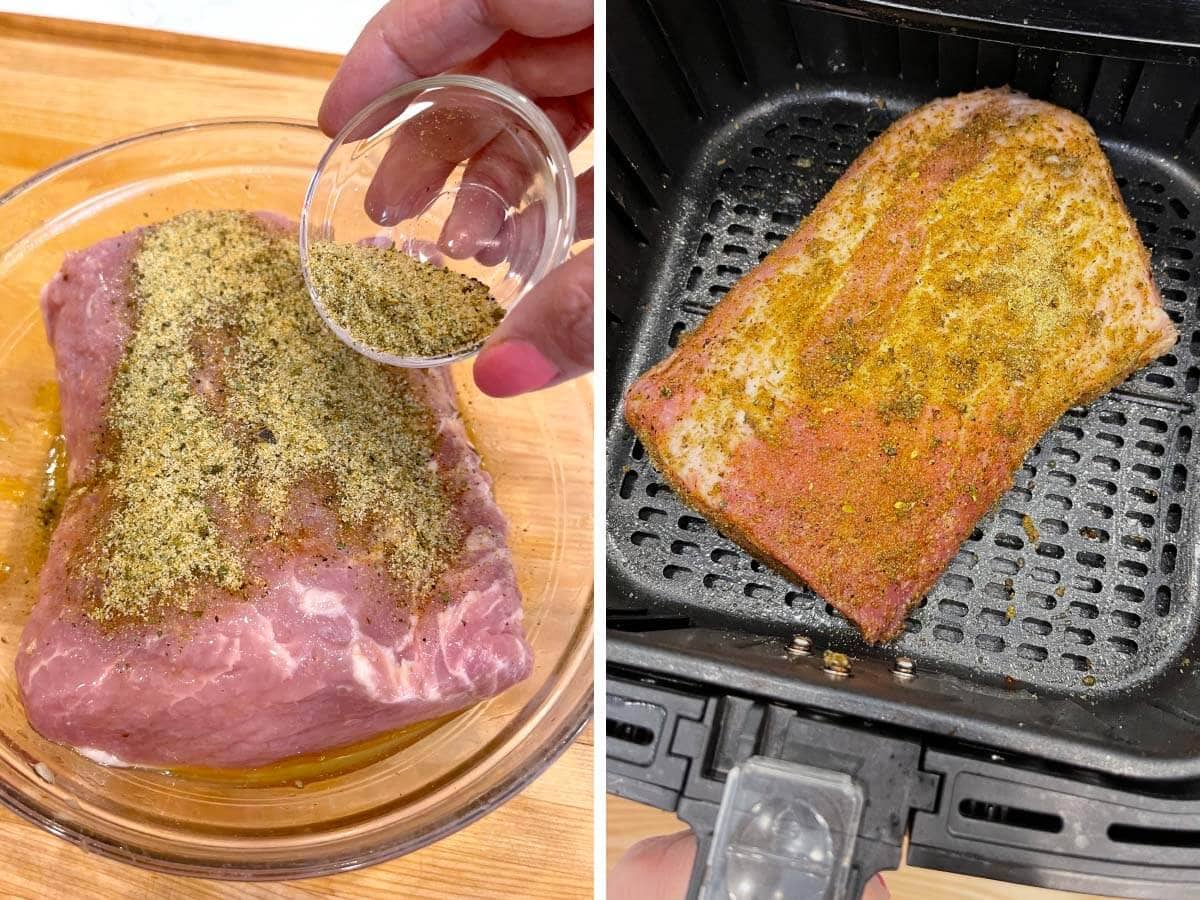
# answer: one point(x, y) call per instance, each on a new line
point(675, 747)
point(985, 816)
point(860, 873)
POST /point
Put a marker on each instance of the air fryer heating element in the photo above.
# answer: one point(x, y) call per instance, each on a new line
point(1056, 704)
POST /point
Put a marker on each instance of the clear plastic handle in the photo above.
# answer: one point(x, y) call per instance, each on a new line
point(785, 831)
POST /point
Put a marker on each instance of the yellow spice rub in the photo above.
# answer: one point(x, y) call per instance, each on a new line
point(862, 396)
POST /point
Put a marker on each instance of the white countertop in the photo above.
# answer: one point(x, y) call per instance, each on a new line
point(324, 25)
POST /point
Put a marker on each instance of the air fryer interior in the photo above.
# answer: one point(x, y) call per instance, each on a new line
point(727, 123)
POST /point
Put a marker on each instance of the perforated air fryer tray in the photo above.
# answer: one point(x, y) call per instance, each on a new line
point(1103, 600)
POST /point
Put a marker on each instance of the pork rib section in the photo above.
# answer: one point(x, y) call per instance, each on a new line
point(318, 653)
point(858, 400)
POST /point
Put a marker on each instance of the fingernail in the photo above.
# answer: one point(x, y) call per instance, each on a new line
point(513, 367)
point(386, 208)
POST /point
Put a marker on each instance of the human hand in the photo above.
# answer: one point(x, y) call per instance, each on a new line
point(659, 868)
point(543, 48)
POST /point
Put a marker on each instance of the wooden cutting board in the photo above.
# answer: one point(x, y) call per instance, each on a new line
point(65, 86)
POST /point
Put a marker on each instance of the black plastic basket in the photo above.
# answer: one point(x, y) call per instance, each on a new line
point(1051, 734)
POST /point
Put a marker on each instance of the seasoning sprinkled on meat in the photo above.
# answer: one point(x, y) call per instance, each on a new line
point(270, 398)
point(970, 277)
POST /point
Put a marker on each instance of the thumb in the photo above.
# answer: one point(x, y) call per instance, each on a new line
point(546, 339)
point(660, 868)
point(657, 868)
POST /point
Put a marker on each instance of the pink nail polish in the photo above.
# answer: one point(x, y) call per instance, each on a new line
point(513, 367)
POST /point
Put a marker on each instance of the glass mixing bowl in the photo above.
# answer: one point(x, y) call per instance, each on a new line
point(345, 809)
point(456, 170)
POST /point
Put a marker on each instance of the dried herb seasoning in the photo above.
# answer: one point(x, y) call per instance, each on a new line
point(233, 393)
point(397, 304)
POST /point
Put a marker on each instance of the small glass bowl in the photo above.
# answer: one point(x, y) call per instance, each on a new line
point(456, 170)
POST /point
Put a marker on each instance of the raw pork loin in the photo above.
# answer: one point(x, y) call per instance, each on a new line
point(322, 656)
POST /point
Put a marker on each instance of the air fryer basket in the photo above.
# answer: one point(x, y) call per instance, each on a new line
point(1066, 657)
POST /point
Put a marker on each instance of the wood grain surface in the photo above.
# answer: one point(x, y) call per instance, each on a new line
point(67, 86)
point(629, 822)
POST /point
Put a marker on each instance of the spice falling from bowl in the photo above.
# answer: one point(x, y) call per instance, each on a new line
point(395, 304)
